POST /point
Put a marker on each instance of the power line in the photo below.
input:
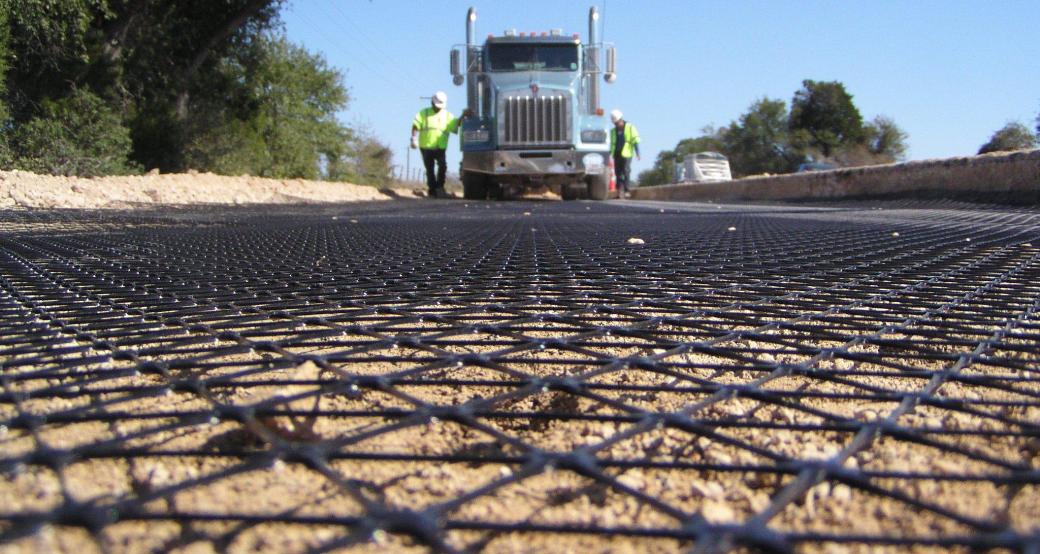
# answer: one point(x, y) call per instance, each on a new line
point(351, 56)
point(370, 45)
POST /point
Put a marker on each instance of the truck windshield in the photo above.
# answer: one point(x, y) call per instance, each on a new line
point(529, 57)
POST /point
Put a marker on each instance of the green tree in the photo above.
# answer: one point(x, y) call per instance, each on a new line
point(824, 111)
point(282, 121)
point(885, 140)
point(710, 141)
point(148, 59)
point(767, 139)
point(174, 63)
point(366, 161)
point(1013, 136)
point(759, 142)
point(78, 135)
point(197, 83)
point(662, 172)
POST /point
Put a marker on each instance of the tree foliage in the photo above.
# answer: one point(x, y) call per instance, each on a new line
point(826, 113)
point(77, 135)
point(182, 77)
point(885, 139)
point(822, 125)
point(1013, 136)
point(758, 142)
point(284, 118)
point(366, 161)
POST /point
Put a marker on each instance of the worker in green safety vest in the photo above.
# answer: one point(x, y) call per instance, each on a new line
point(624, 142)
point(430, 131)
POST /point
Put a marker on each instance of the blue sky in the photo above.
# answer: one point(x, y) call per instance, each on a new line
point(948, 72)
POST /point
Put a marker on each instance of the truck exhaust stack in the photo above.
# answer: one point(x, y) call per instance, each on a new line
point(592, 60)
point(472, 51)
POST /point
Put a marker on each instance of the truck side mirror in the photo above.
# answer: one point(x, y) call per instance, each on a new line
point(456, 67)
point(610, 75)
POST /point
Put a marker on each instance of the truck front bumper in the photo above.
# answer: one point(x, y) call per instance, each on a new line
point(535, 164)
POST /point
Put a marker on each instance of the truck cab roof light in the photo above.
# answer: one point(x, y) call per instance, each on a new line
point(599, 111)
point(545, 34)
point(576, 35)
point(555, 32)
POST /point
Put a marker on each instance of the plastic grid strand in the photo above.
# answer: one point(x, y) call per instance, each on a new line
point(455, 376)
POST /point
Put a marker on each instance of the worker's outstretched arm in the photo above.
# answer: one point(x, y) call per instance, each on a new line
point(453, 127)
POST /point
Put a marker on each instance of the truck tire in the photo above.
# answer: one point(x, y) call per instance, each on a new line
point(474, 186)
point(599, 186)
point(495, 190)
point(571, 192)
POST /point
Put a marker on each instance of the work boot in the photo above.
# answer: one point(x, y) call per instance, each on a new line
point(441, 193)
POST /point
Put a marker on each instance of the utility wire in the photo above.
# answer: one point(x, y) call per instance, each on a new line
point(370, 45)
point(398, 86)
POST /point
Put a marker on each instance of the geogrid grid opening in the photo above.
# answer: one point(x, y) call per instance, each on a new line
point(468, 377)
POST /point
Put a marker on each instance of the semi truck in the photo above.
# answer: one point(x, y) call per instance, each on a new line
point(535, 116)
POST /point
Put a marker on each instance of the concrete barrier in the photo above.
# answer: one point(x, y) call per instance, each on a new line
point(1000, 177)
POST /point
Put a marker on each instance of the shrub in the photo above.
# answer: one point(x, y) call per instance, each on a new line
point(365, 161)
point(1013, 136)
point(76, 135)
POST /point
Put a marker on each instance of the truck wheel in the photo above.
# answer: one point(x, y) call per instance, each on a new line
point(571, 192)
point(599, 186)
point(474, 186)
point(495, 190)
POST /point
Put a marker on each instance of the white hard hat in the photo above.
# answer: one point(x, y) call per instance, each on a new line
point(615, 115)
point(440, 99)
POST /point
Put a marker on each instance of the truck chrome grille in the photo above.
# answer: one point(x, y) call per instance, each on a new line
point(532, 121)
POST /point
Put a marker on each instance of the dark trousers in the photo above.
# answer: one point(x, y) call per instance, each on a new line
point(430, 155)
point(622, 171)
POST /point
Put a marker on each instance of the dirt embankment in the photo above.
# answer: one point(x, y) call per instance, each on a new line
point(20, 189)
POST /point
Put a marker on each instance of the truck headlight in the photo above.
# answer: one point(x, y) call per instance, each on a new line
point(479, 135)
point(593, 163)
point(594, 135)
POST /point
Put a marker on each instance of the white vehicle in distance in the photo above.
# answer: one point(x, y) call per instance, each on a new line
point(704, 167)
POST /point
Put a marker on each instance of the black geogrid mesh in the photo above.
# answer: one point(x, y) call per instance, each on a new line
point(522, 376)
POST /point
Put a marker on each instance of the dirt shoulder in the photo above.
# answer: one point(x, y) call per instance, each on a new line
point(20, 189)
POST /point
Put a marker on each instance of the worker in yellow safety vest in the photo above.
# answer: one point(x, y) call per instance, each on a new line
point(430, 131)
point(624, 142)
